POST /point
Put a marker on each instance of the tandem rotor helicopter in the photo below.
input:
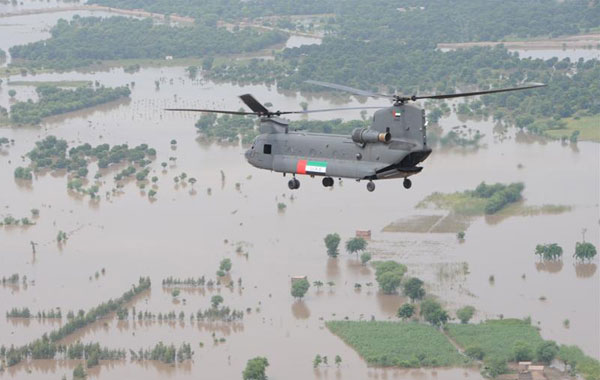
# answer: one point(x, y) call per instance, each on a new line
point(392, 147)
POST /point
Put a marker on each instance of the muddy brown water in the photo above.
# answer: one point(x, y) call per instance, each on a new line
point(182, 234)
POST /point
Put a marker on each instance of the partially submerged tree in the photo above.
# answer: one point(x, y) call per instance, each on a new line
point(356, 244)
point(332, 241)
point(413, 289)
point(432, 312)
point(300, 287)
point(255, 369)
point(406, 311)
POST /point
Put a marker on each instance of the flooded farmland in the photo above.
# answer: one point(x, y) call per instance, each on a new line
point(186, 232)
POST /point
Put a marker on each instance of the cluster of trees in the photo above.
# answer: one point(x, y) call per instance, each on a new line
point(55, 101)
point(23, 173)
point(88, 40)
point(256, 369)
point(10, 220)
point(51, 153)
point(166, 354)
point(318, 360)
point(549, 251)
point(91, 352)
point(26, 313)
point(389, 275)
point(498, 195)
point(224, 267)
point(584, 251)
point(188, 282)
point(227, 128)
point(13, 279)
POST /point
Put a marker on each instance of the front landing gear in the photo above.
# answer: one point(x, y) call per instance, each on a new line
point(293, 184)
point(328, 182)
point(407, 183)
point(371, 186)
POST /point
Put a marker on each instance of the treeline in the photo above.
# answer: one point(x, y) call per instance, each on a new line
point(47, 346)
point(88, 40)
point(55, 101)
point(26, 313)
point(208, 12)
point(166, 354)
point(215, 313)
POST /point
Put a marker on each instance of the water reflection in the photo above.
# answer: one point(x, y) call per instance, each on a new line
point(550, 266)
point(300, 310)
point(585, 270)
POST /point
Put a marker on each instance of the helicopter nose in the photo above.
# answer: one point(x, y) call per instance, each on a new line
point(247, 154)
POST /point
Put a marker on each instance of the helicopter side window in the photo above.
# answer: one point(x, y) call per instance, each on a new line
point(267, 149)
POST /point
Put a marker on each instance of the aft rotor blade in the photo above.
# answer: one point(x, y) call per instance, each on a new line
point(352, 90)
point(210, 111)
point(328, 110)
point(254, 104)
point(449, 96)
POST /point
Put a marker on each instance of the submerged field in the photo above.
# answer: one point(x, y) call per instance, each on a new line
point(398, 343)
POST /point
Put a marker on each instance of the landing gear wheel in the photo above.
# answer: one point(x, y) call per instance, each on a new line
point(293, 184)
point(407, 183)
point(328, 182)
point(371, 186)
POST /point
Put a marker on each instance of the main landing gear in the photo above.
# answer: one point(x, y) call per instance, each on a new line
point(294, 184)
point(407, 183)
point(371, 186)
point(328, 182)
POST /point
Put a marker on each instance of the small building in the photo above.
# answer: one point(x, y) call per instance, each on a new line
point(169, 58)
point(298, 278)
point(365, 234)
point(524, 366)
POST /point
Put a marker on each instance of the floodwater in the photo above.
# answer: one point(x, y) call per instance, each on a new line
point(186, 233)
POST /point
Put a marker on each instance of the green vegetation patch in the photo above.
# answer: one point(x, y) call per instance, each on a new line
point(496, 338)
point(398, 343)
point(588, 127)
point(60, 83)
point(578, 362)
point(485, 199)
point(55, 101)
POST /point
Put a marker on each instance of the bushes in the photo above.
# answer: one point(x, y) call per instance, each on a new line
point(465, 313)
point(432, 312)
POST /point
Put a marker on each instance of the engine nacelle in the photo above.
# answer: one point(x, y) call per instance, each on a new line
point(367, 135)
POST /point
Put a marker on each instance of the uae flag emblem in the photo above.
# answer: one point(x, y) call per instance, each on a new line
point(309, 167)
point(397, 113)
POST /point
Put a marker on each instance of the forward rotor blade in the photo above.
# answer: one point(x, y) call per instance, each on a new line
point(328, 110)
point(352, 90)
point(254, 104)
point(449, 96)
point(210, 111)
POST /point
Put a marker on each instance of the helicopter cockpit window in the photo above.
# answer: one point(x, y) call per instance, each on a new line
point(267, 149)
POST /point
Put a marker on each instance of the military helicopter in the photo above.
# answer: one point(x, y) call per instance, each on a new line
point(391, 147)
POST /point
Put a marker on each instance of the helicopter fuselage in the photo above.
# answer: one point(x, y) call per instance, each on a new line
point(390, 148)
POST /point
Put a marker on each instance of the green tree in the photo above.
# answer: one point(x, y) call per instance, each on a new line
point(255, 369)
point(175, 293)
point(413, 288)
point(389, 275)
point(356, 244)
point(318, 284)
point(225, 265)
point(406, 311)
point(475, 352)
point(317, 361)
point(432, 312)
point(547, 351)
point(549, 251)
point(300, 287)
point(332, 241)
point(365, 257)
point(496, 366)
point(465, 313)
point(338, 360)
point(584, 251)
point(216, 301)
point(12, 93)
point(79, 372)
point(522, 351)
